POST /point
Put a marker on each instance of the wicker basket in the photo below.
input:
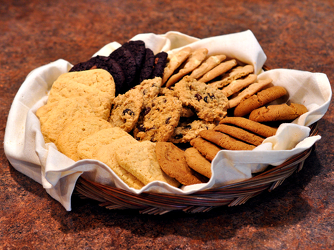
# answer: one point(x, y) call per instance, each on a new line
point(201, 201)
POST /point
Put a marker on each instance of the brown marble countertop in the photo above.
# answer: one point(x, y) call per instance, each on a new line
point(297, 215)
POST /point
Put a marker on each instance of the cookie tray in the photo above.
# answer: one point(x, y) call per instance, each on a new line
point(201, 201)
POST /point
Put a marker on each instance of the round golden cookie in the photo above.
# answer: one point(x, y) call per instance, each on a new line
point(225, 141)
point(206, 148)
point(197, 162)
point(258, 100)
point(256, 127)
point(173, 162)
point(281, 112)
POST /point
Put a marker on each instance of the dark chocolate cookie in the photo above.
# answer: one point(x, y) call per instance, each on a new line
point(117, 73)
point(128, 64)
point(81, 66)
point(160, 61)
point(148, 65)
point(137, 49)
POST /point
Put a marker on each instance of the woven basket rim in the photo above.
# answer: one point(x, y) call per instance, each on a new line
point(202, 201)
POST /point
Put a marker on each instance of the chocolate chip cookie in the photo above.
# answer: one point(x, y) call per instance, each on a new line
point(126, 109)
point(159, 120)
point(210, 103)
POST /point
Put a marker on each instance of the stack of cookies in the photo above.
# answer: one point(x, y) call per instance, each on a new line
point(134, 111)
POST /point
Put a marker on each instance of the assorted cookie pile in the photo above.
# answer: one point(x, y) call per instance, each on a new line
point(161, 117)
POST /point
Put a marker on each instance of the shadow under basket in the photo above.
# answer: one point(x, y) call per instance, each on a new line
point(201, 201)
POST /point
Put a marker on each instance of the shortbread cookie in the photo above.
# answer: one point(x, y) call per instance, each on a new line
point(282, 112)
point(126, 109)
point(237, 85)
point(206, 148)
point(106, 154)
point(76, 131)
point(240, 134)
point(233, 74)
point(193, 61)
point(174, 61)
point(197, 162)
point(148, 65)
point(89, 145)
point(98, 100)
point(186, 131)
point(224, 140)
point(161, 118)
point(210, 104)
point(150, 88)
point(258, 100)
point(218, 70)
point(96, 79)
point(160, 61)
point(173, 162)
point(141, 161)
point(55, 116)
point(249, 91)
point(255, 127)
point(207, 65)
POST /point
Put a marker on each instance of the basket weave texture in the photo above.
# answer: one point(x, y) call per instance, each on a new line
point(201, 201)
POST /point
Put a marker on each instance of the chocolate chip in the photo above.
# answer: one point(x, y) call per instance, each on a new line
point(128, 111)
point(212, 96)
point(147, 110)
point(141, 128)
point(168, 120)
point(178, 136)
point(198, 96)
point(206, 99)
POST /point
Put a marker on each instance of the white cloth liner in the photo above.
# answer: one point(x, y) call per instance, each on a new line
point(26, 151)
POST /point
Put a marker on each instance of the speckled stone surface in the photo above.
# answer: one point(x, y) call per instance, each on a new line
point(297, 215)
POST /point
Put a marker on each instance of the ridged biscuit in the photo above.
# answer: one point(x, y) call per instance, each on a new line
point(174, 61)
point(249, 91)
point(207, 65)
point(194, 60)
point(238, 84)
point(220, 69)
point(233, 74)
